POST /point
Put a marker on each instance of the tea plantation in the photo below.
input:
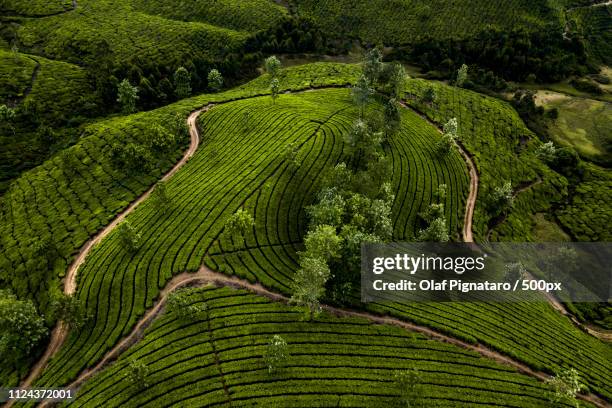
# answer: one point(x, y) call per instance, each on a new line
point(216, 358)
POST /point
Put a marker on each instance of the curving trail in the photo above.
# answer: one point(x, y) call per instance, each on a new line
point(470, 204)
point(207, 276)
point(60, 332)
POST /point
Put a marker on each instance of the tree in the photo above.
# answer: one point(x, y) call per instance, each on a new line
point(180, 304)
point(276, 353)
point(502, 198)
point(329, 210)
point(160, 198)
point(445, 144)
point(437, 231)
point(272, 66)
point(178, 126)
point(182, 83)
point(137, 374)
point(274, 89)
point(392, 117)
point(364, 143)
point(309, 283)
point(323, 243)
point(161, 140)
point(451, 127)
point(408, 384)
point(215, 80)
point(239, 223)
point(130, 238)
point(547, 152)
point(397, 80)
point(372, 65)
point(21, 328)
point(361, 93)
point(462, 75)
point(70, 310)
point(127, 95)
point(514, 272)
point(290, 157)
point(565, 386)
point(7, 115)
point(429, 96)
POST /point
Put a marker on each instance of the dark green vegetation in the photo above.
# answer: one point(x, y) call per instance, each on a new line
point(593, 23)
point(35, 8)
point(217, 357)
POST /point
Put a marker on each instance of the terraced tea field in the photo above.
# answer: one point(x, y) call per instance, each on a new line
point(203, 200)
point(216, 359)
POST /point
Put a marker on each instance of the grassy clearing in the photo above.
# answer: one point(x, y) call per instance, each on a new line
point(583, 124)
point(337, 361)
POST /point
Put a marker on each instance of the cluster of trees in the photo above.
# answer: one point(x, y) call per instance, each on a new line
point(354, 203)
point(498, 55)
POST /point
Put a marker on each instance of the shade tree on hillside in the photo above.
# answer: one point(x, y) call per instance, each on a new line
point(182, 83)
point(272, 65)
point(127, 95)
point(361, 93)
point(274, 89)
point(7, 117)
point(276, 354)
point(137, 374)
point(565, 386)
point(501, 199)
point(449, 135)
point(372, 65)
point(238, 224)
point(160, 197)
point(364, 143)
point(290, 157)
point(215, 80)
point(435, 218)
point(22, 329)
point(70, 310)
point(308, 285)
point(180, 304)
point(130, 238)
point(462, 76)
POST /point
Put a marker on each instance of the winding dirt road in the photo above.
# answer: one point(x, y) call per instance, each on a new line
point(60, 332)
point(207, 276)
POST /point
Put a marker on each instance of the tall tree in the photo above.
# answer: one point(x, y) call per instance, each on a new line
point(7, 116)
point(372, 65)
point(181, 305)
point(408, 384)
point(70, 310)
point(160, 197)
point(239, 223)
point(182, 83)
point(462, 75)
point(130, 238)
point(276, 353)
point(565, 386)
point(21, 328)
point(138, 373)
point(272, 66)
point(309, 283)
point(274, 89)
point(502, 198)
point(215, 80)
point(127, 95)
point(361, 93)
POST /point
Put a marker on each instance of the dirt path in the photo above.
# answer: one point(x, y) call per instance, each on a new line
point(60, 332)
point(470, 204)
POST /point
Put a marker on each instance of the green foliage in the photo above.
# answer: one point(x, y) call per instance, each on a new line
point(182, 83)
point(323, 243)
point(239, 223)
point(372, 65)
point(22, 329)
point(547, 152)
point(290, 156)
point(309, 282)
point(69, 310)
point(127, 95)
point(215, 80)
point(462, 76)
point(7, 114)
point(137, 374)
point(160, 197)
point(361, 93)
point(514, 271)
point(180, 304)
point(502, 198)
point(565, 386)
point(274, 89)
point(272, 66)
point(130, 237)
point(276, 354)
